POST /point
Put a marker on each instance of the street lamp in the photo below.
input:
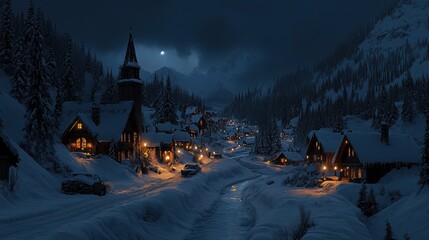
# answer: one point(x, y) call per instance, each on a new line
point(324, 169)
point(335, 170)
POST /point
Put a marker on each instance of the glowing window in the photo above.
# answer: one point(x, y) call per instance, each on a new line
point(83, 143)
point(349, 150)
point(78, 142)
point(79, 126)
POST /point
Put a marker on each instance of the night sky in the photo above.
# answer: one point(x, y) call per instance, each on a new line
point(282, 34)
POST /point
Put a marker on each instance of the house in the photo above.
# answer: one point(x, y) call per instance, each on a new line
point(158, 146)
point(372, 155)
point(112, 128)
point(182, 139)
point(9, 157)
point(287, 158)
point(200, 121)
point(322, 146)
point(248, 141)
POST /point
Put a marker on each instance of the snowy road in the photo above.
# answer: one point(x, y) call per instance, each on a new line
point(231, 216)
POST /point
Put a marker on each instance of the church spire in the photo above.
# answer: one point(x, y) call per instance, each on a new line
point(130, 56)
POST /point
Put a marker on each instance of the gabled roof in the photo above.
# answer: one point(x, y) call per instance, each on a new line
point(130, 56)
point(190, 110)
point(330, 140)
point(181, 136)
point(196, 118)
point(113, 118)
point(293, 156)
point(167, 126)
point(153, 139)
point(370, 149)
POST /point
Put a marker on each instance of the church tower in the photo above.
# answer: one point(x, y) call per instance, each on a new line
point(129, 83)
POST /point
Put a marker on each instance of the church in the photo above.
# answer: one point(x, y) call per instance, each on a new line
point(112, 128)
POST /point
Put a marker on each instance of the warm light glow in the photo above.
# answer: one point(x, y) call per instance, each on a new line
point(89, 145)
point(207, 149)
point(178, 151)
point(196, 147)
point(335, 168)
point(324, 167)
point(167, 158)
point(145, 144)
point(79, 126)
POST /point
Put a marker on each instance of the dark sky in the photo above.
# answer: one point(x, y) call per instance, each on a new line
point(202, 33)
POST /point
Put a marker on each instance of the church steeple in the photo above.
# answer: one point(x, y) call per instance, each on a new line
point(130, 69)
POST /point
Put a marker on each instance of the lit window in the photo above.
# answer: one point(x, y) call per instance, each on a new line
point(353, 153)
point(135, 137)
point(78, 141)
point(83, 143)
point(79, 126)
point(349, 151)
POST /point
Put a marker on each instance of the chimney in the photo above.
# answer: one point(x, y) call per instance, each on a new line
point(384, 132)
point(95, 115)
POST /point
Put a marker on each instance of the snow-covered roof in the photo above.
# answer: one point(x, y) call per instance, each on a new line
point(167, 126)
point(329, 140)
point(370, 149)
point(181, 136)
point(153, 139)
point(113, 118)
point(130, 80)
point(193, 127)
point(293, 156)
point(250, 140)
point(190, 110)
point(196, 118)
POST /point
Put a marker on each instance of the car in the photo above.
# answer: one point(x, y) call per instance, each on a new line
point(84, 183)
point(217, 155)
point(190, 169)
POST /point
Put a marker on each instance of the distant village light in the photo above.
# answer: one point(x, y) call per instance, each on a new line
point(145, 144)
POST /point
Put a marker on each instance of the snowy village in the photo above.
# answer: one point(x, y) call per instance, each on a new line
point(214, 120)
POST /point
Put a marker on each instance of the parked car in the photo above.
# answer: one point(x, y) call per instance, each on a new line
point(84, 183)
point(190, 169)
point(217, 155)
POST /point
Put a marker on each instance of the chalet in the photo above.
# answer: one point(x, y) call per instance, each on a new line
point(193, 131)
point(108, 128)
point(112, 129)
point(158, 146)
point(322, 146)
point(182, 139)
point(8, 157)
point(287, 158)
point(371, 155)
point(200, 121)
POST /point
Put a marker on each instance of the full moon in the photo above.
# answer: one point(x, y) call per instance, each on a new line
point(162, 53)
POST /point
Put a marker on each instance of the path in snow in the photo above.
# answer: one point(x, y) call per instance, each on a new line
point(230, 217)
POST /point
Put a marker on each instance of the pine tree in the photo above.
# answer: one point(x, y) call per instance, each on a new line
point(169, 105)
point(38, 127)
point(111, 93)
point(29, 29)
point(68, 74)
point(362, 197)
point(274, 138)
point(145, 101)
point(382, 109)
point(393, 113)
point(19, 79)
point(7, 39)
point(424, 172)
point(159, 116)
point(58, 110)
point(371, 206)
point(407, 107)
point(389, 232)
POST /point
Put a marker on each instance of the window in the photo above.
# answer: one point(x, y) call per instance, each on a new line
point(78, 141)
point(135, 137)
point(349, 150)
point(79, 126)
point(353, 153)
point(81, 143)
point(129, 137)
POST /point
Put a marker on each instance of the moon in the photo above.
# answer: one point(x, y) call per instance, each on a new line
point(162, 53)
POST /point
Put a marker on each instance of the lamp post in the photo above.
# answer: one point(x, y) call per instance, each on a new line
point(324, 169)
point(335, 170)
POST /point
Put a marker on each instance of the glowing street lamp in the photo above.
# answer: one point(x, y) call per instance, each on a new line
point(324, 169)
point(335, 170)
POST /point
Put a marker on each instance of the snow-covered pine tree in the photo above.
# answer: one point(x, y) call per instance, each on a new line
point(382, 109)
point(19, 79)
point(29, 28)
point(158, 104)
point(68, 74)
point(393, 113)
point(389, 232)
point(38, 126)
point(169, 104)
point(362, 197)
point(7, 39)
point(145, 101)
point(371, 206)
point(408, 108)
point(274, 138)
point(111, 93)
point(424, 172)
point(52, 67)
point(58, 110)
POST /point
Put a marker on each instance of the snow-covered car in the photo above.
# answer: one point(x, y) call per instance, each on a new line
point(84, 183)
point(190, 169)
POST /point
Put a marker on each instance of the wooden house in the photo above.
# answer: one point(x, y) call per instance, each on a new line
point(9, 157)
point(371, 155)
point(287, 158)
point(182, 139)
point(111, 129)
point(322, 146)
point(158, 146)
